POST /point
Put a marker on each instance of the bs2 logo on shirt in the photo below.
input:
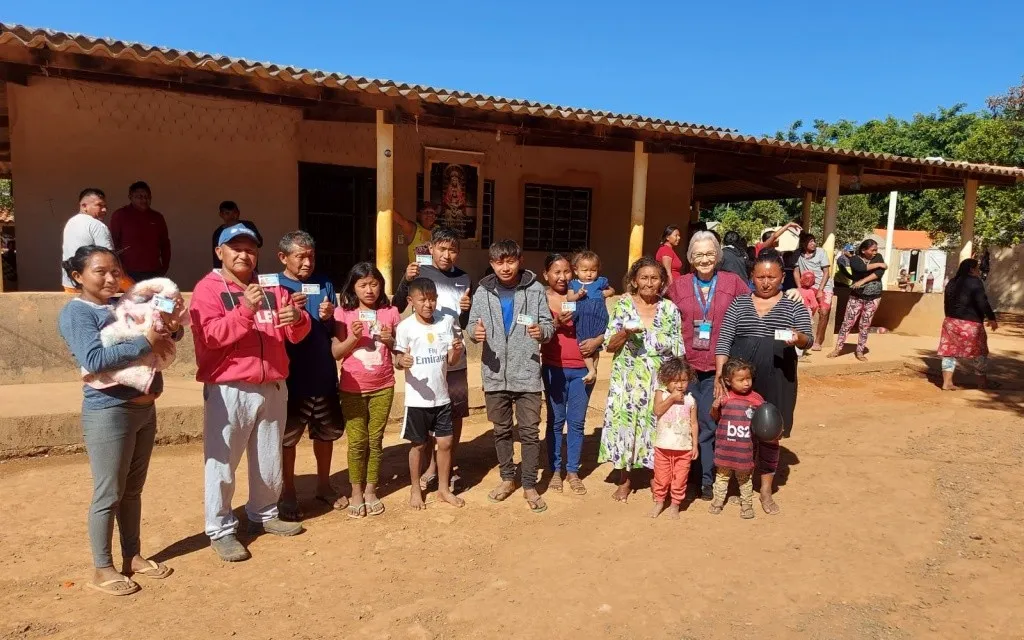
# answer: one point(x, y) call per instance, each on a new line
point(740, 432)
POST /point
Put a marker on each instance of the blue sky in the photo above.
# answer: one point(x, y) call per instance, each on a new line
point(752, 65)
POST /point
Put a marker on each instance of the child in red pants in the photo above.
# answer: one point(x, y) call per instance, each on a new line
point(675, 437)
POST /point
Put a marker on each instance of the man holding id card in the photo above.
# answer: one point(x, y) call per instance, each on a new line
point(703, 296)
point(313, 401)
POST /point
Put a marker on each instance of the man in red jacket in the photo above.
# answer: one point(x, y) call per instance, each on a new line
point(240, 326)
point(140, 236)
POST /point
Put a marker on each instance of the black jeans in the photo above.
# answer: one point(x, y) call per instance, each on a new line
point(500, 405)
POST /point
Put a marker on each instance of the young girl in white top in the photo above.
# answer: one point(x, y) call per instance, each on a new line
point(675, 437)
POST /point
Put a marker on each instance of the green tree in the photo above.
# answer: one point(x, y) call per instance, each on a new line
point(855, 220)
point(6, 195)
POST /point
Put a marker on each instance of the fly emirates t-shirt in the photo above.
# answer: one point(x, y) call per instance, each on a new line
point(426, 383)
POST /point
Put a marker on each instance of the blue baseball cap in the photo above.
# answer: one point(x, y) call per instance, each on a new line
point(237, 231)
point(849, 247)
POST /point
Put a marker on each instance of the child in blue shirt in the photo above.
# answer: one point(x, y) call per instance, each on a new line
point(588, 291)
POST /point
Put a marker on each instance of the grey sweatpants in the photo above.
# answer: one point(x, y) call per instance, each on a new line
point(119, 441)
point(241, 417)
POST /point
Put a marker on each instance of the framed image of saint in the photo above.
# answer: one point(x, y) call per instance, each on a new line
point(454, 185)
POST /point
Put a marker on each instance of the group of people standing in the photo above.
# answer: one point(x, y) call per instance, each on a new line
point(692, 355)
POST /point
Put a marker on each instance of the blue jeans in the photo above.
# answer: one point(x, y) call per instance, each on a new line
point(567, 399)
point(703, 391)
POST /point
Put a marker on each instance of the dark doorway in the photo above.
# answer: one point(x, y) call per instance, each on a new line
point(337, 206)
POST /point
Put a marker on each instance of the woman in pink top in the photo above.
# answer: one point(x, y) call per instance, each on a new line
point(364, 334)
point(667, 255)
point(563, 371)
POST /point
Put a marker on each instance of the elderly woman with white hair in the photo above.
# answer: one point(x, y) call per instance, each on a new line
point(703, 296)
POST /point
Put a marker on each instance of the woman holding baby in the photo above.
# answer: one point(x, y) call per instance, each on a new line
point(118, 421)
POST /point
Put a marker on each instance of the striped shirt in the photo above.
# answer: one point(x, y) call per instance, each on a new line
point(742, 321)
point(734, 448)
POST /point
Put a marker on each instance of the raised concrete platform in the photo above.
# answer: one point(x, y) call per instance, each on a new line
point(44, 418)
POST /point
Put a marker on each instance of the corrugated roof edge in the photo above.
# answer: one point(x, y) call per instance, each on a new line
point(118, 49)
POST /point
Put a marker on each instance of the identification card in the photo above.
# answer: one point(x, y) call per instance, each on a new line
point(367, 316)
point(632, 324)
point(269, 280)
point(164, 304)
point(311, 289)
point(424, 260)
point(525, 320)
point(568, 306)
point(784, 335)
point(702, 335)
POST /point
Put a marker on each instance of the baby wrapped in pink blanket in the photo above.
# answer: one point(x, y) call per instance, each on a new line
point(155, 302)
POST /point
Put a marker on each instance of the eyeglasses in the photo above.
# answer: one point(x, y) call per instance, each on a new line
point(705, 256)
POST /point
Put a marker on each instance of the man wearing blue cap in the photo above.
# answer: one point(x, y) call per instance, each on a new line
point(843, 275)
point(240, 324)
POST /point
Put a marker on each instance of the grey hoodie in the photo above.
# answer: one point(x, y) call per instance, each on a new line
point(512, 362)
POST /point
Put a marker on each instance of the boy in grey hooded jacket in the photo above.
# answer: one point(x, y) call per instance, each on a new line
point(511, 317)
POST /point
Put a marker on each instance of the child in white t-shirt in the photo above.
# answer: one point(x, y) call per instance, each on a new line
point(426, 343)
point(675, 438)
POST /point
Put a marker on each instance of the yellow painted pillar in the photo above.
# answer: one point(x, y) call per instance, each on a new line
point(385, 199)
point(639, 209)
point(828, 231)
point(805, 213)
point(967, 223)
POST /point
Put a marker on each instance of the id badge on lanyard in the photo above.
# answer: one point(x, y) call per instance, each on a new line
point(702, 327)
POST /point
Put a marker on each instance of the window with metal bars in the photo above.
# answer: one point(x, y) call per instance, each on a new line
point(556, 218)
point(486, 210)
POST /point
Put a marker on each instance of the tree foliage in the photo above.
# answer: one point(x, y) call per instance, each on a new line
point(6, 195)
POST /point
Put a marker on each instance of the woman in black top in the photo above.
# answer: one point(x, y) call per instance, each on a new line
point(749, 332)
point(865, 294)
point(963, 330)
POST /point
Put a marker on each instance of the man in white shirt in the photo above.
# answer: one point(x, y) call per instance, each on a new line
point(85, 228)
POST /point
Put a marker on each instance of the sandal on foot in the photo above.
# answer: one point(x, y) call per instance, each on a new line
point(108, 587)
point(577, 486)
point(832, 354)
point(153, 570)
point(862, 357)
point(770, 508)
point(746, 511)
point(374, 508)
point(537, 505)
point(502, 491)
point(714, 508)
point(555, 483)
point(335, 501)
point(356, 511)
point(289, 511)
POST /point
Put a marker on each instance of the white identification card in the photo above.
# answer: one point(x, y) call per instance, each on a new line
point(164, 304)
point(783, 335)
point(424, 260)
point(568, 306)
point(269, 280)
point(632, 324)
point(367, 316)
point(311, 289)
point(525, 320)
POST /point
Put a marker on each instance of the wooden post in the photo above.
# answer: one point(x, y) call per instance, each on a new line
point(639, 209)
point(828, 233)
point(967, 223)
point(805, 213)
point(695, 211)
point(385, 199)
point(890, 244)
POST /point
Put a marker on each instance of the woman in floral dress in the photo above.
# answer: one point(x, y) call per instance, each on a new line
point(644, 331)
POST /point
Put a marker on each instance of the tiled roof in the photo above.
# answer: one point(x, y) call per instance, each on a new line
point(906, 238)
point(121, 50)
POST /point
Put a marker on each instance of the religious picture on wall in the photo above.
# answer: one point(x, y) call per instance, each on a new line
point(455, 188)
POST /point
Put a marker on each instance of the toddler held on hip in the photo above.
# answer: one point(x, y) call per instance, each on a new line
point(588, 291)
point(675, 436)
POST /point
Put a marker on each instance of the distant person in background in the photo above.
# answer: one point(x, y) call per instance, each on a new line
point(84, 229)
point(666, 254)
point(963, 330)
point(230, 216)
point(734, 255)
point(844, 277)
point(865, 294)
point(812, 259)
point(770, 239)
point(986, 265)
point(417, 234)
point(140, 235)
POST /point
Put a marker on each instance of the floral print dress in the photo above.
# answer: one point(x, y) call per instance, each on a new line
point(627, 437)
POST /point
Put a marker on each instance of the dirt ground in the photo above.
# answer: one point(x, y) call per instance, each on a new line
point(900, 518)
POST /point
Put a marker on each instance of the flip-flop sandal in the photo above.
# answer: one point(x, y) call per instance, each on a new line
point(772, 510)
point(333, 502)
point(537, 505)
point(747, 511)
point(715, 509)
point(356, 511)
point(862, 357)
point(555, 484)
point(289, 511)
point(106, 587)
point(499, 494)
point(374, 508)
point(577, 486)
point(155, 571)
